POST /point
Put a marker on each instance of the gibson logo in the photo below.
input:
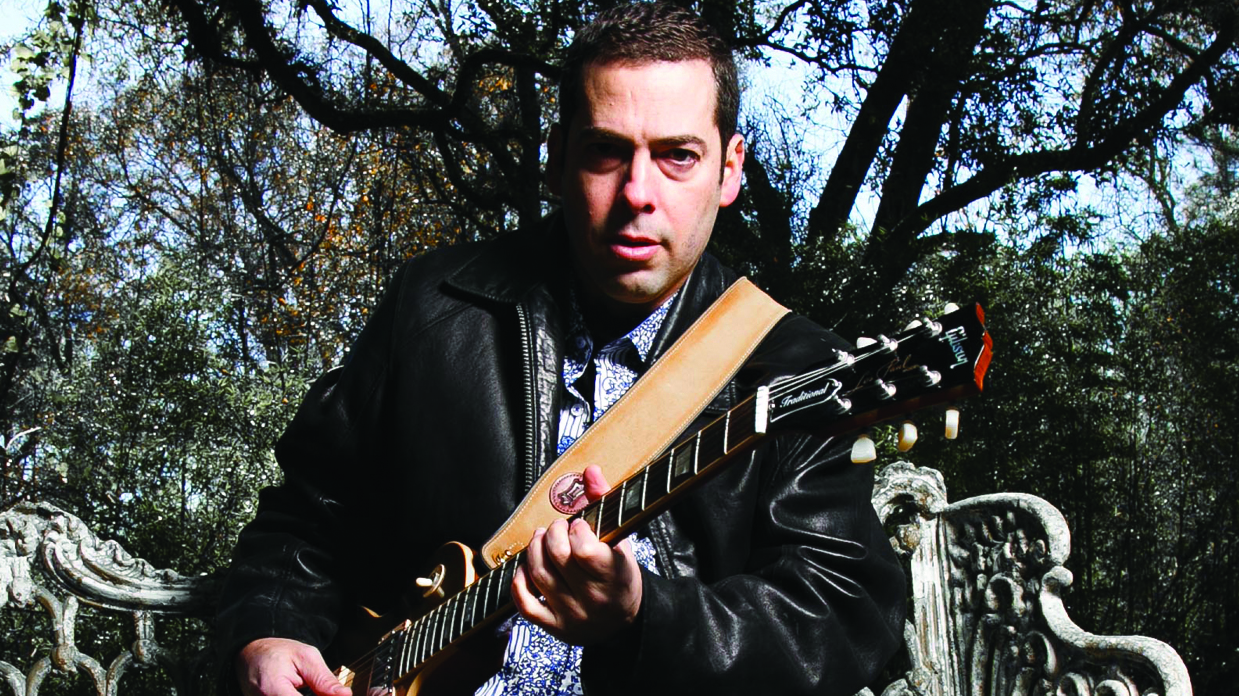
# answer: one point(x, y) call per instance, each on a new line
point(955, 339)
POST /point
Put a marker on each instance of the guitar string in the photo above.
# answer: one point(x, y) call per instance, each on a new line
point(780, 388)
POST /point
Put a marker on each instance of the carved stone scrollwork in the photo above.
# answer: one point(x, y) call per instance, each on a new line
point(987, 614)
point(50, 561)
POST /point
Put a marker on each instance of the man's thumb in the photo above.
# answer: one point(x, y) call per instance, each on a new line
point(320, 679)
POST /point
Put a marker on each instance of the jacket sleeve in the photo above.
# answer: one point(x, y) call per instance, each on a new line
point(818, 609)
point(285, 575)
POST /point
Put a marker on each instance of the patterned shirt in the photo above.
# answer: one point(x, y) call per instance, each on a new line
point(534, 663)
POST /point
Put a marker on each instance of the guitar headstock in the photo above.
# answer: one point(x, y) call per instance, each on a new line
point(930, 362)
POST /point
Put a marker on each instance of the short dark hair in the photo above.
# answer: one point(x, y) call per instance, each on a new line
point(654, 32)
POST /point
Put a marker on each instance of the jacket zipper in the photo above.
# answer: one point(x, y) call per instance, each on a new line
point(531, 468)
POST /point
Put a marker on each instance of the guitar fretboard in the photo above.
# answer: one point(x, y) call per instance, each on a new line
point(612, 516)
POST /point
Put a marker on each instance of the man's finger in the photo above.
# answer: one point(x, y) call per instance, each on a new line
point(543, 578)
point(557, 545)
point(589, 555)
point(595, 483)
point(527, 602)
point(540, 577)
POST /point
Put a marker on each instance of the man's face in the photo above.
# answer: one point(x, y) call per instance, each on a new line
point(642, 175)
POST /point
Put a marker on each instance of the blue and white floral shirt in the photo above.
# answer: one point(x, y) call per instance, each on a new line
point(534, 663)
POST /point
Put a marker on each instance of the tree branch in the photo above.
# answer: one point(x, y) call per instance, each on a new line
point(912, 44)
point(1078, 158)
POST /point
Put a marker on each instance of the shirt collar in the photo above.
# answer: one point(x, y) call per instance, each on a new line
point(641, 337)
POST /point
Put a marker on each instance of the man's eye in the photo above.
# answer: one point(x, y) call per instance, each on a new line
point(602, 155)
point(681, 155)
point(603, 150)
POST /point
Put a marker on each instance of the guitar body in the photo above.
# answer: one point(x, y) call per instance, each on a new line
point(460, 668)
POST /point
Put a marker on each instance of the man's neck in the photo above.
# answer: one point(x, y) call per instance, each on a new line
point(608, 319)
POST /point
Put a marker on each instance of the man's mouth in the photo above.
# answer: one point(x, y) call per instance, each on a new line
point(634, 248)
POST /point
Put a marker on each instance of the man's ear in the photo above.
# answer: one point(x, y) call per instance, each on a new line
point(733, 170)
point(555, 159)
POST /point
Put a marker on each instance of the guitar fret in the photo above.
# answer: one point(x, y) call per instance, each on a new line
point(438, 641)
point(456, 625)
point(492, 580)
point(449, 626)
point(432, 628)
point(399, 660)
point(645, 482)
point(505, 580)
point(416, 641)
point(432, 633)
point(445, 634)
point(407, 661)
point(419, 649)
point(471, 605)
point(480, 590)
point(590, 515)
point(631, 500)
point(654, 472)
point(670, 469)
point(683, 464)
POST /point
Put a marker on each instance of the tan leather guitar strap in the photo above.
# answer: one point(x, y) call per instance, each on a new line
point(645, 421)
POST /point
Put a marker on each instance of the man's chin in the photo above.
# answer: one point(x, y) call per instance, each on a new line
point(637, 288)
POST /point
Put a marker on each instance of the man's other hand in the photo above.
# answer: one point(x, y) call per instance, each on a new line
point(279, 667)
point(591, 589)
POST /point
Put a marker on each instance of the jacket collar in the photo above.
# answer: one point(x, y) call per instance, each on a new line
point(508, 268)
point(517, 263)
point(705, 284)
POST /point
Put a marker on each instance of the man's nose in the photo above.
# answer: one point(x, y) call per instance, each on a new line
point(639, 188)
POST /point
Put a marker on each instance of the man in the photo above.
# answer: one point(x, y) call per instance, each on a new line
point(483, 362)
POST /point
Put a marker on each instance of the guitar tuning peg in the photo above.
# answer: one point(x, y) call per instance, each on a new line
point(914, 324)
point(865, 341)
point(952, 423)
point(950, 307)
point(907, 436)
point(863, 450)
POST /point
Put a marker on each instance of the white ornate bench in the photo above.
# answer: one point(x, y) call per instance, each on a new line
point(986, 617)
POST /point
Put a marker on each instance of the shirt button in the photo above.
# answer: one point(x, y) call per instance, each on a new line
point(577, 409)
point(582, 343)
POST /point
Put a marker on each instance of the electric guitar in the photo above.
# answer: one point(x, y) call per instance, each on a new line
point(445, 647)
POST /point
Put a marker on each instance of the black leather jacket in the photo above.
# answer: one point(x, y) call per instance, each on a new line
point(777, 577)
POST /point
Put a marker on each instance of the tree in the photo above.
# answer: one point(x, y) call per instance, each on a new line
point(983, 95)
